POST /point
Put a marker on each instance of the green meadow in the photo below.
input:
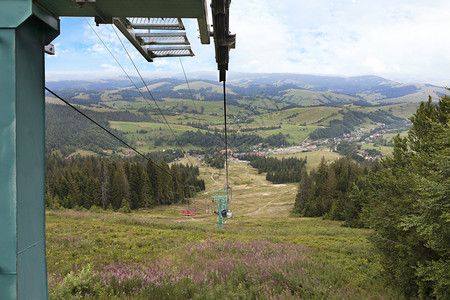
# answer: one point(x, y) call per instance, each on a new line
point(313, 158)
point(263, 252)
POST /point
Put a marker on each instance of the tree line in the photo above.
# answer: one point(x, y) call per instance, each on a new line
point(350, 150)
point(323, 192)
point(67, 131)
point(283, 170)
point(405, 200)
point(117, 183)
point(216, 139)
point(353, 118)
point(260, 128)
point(215, 159)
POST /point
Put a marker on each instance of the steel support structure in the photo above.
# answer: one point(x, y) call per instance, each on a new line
point(24, 31)
point(222, 200)
point(26, 27)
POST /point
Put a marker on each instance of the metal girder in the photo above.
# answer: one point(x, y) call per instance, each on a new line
point(23, 272)
point(126, 8)
point(156, 23)
point(164, 38)
point(148, 35)
point(132, 8)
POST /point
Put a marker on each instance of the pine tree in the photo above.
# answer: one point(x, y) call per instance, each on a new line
point(177, 184)
point(136, 186)
point(147, 195)
point(407, 205)
point(116, 189)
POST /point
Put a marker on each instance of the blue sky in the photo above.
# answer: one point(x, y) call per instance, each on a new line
point(404, 40)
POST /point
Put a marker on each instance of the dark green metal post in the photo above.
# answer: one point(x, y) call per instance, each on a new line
point(24, 31)
point(220, 212)
point(222, 200)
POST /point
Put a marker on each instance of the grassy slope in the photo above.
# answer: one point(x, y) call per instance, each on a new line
point(196, 85)
point(313, 158)
point(421, 95)
point(383, 149)
point(341, 257)
point(307, 97)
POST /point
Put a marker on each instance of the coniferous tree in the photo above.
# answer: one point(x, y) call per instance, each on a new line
point(116, 189)
point(136, 186)
point(147, 196)
point(85, 182)
point(407, 205)
point(325, 192)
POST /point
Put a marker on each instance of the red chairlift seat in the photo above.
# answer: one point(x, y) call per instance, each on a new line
point(188, 213)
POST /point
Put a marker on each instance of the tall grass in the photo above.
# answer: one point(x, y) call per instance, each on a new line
point(117, 256)
point(256, 269)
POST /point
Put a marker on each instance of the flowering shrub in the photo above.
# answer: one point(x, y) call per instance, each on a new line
point(228, 269)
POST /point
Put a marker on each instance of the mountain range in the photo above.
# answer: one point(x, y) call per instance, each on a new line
point(299, 89)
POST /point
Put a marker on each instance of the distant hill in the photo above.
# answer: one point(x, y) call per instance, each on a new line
point(269, 109)
point(369, 88)
point(299, 89)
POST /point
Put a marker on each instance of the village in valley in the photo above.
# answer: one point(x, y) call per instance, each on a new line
point(362, 136)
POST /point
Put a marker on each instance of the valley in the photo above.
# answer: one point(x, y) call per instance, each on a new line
point(314, 210)
point(263, 107)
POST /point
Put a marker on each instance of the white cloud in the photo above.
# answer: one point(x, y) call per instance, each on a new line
point(402, 39)
point(396, 39)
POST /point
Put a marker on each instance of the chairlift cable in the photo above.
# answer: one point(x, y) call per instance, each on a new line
point(120, 65)
point(225, 132)
point(123, 69)
point(150, 93)
point(187, 82)
point(109, 132)
point(192, 96)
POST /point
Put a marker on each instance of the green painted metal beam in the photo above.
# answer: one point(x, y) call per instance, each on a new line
point(8, 250)
point(127, 8)
point(196, 9)
point(23, 272)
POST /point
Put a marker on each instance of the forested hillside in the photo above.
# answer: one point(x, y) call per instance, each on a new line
point(405, 200)
point(117, 183)
point(67, 131)
point(325, 191)
point(278, 170)
point(352, 119)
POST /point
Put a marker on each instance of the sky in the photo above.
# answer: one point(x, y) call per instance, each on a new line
point(402, 40)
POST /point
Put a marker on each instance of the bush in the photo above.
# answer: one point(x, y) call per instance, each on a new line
point(125, 207)
point(96, 209)
point(77, 285)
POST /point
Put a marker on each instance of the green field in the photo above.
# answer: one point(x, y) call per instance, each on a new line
point(313, 158)
point(296, 123)
point(250, 116)
point(385, 151)
point(307, 97)
point(264, 251)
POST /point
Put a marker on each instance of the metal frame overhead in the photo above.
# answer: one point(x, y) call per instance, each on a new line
point(156, 37)
point(107, 9)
